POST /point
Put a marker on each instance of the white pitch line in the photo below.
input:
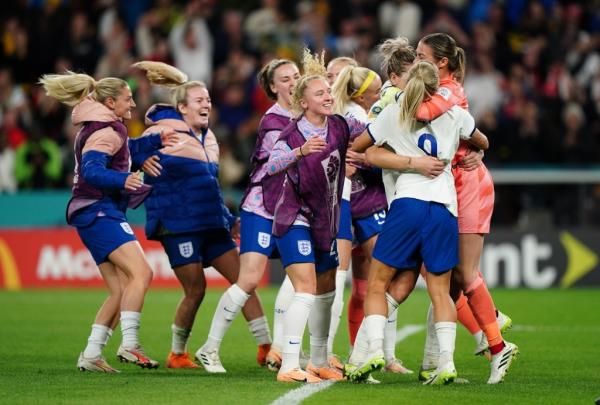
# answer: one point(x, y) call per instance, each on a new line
point(296, 396)
point(407, 331)
point(556, 328)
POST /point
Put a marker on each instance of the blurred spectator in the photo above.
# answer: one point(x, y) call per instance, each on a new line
point(262, 23)
point(530, 135)
point(578, 145)
point(442, 20)
point(483, 86)
point(400, 18)
point(38, 163)
point(81, 46)
point(11, 95)
point(49, 115)
point(48, 27)
point(153, 29)
point(15, 135)
point(8, 183)
point(230, 169)
point(15, 41)
point(192, 44)
point(231, 37)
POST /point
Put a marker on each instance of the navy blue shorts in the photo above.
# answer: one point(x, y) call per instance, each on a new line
point(416, 231)
point(105, 235)
point(296, 246)
point(367, 227)
point(345, 229)
point(197, 247)
point(256, 235)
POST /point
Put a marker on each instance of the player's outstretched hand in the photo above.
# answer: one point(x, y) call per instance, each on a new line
point(134, 181)
point(471, 161)
point(151, 166)
point(168, 137)
point(428, 166)
point(356, 158)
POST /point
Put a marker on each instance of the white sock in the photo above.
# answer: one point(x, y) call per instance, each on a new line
point(478, 336)
point(259, 328)
point(318, 327)
point(360, 350)
point(431, 353)
point(375, 325)
point(389, 332)
point(180, 338)
point(96, 342)
point(446, 334)
point(109, 333)
point(293, 329)
point(130, 324)
point(228, 308)
point(337, 307)
point(282, 302)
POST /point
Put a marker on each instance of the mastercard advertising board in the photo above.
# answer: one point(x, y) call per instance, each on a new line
point(56, 258)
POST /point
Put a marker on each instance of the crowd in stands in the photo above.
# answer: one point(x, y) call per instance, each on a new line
point(533, 74)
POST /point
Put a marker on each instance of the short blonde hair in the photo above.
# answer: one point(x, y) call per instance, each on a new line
point(397, 55)
point(71, 88)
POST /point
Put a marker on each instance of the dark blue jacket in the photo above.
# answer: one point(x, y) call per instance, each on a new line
point(186, 197)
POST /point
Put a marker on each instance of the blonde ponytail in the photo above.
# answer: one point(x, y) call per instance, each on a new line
point(161, 74)
point(350, 83)
point(71, 88)
point(423, 80)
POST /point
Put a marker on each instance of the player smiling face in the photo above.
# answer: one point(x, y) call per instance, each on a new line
point(197, 109)
point(284, 80)
point(123, 104)
point(317, 98)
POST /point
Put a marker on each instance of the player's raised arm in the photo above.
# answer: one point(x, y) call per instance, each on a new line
point(479, 140)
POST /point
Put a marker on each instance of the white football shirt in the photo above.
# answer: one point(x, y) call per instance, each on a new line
point(439, 139)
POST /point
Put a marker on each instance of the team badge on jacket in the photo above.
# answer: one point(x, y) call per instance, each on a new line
point(186, 249)
point(264, 239)
point(126, 228)
point(304, 247)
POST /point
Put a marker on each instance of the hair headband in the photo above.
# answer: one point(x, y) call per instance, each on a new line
point(365, 85)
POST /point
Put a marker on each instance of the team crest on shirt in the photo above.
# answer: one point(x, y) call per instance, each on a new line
point(444, 92)
point(264, 239)
point(186, 249)
point(358, 183)
point(304, 247)
point(127, 228)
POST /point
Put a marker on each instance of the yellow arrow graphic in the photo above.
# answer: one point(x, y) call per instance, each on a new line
point(580, 259)
point(8, 266)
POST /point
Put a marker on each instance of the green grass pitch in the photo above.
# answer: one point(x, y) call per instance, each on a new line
point(42, 333)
